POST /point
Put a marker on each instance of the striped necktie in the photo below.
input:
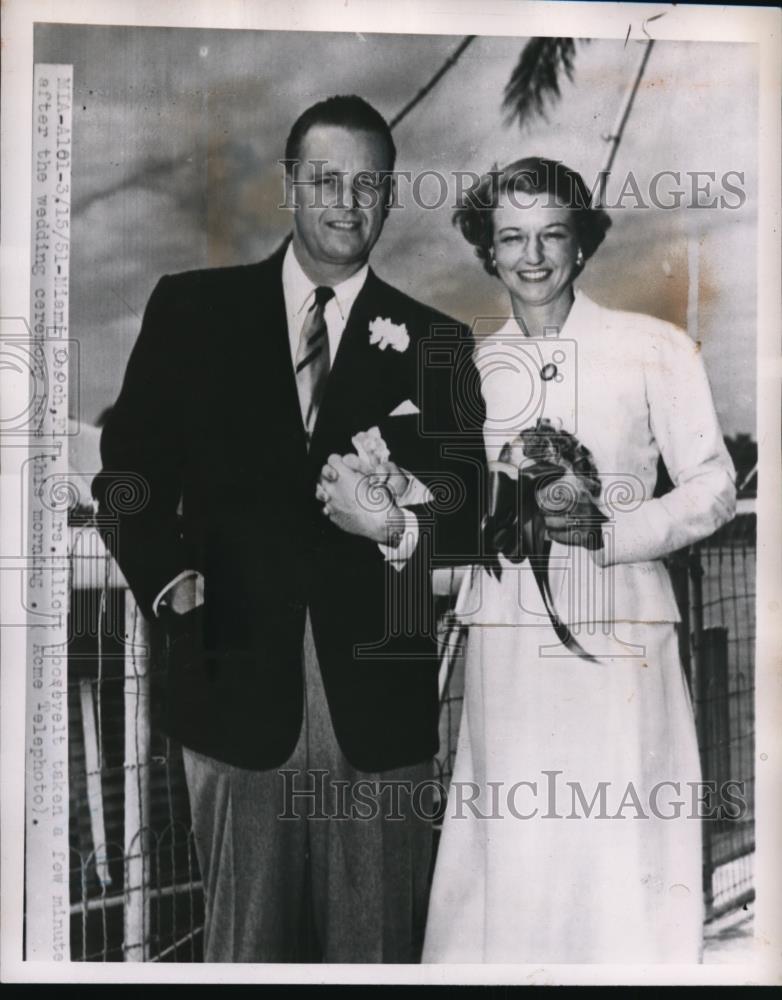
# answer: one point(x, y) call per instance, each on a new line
point(312, 358)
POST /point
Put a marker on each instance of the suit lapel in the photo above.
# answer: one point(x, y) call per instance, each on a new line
point(355, 371)
point(274, 357)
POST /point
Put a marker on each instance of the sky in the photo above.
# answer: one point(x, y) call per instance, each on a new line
point(178, 133)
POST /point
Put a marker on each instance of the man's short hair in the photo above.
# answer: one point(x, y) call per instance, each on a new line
point(347, 111)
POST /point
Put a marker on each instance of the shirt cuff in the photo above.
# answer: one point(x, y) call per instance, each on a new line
point(186, 574)
point(398, 556)
point(415, 492)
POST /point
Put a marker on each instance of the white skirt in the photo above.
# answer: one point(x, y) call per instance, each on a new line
point(571, 831)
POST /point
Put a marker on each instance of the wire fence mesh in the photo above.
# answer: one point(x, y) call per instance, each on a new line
point(722, 587)
point(135, 888)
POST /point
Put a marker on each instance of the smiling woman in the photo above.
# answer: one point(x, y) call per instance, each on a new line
point(620, 390)
point(533, 225)
point(530, 183)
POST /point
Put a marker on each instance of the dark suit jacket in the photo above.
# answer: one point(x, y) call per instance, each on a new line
point(209, 413)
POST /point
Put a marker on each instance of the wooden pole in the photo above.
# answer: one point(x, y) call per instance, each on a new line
point(137, 756)
point(467, 40)
point(615, 136)
point(94, 781)
point(693, 283)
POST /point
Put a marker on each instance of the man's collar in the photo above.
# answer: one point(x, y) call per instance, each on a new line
point(299, 288)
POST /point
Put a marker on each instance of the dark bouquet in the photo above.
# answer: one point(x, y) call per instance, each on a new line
point(545, 470)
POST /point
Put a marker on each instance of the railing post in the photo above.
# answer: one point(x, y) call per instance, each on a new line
point(137, 756)
point(695, 569)
point(698, 687)
point(714, 728)
point(678, 566)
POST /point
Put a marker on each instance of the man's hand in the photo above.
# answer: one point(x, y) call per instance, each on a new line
point(381, 474)
point(185, 595)
point(358, 504)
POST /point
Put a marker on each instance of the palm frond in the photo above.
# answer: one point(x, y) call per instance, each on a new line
point(536, 79)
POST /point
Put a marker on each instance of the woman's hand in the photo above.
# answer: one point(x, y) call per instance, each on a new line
point(570, 513)
point(512, 453)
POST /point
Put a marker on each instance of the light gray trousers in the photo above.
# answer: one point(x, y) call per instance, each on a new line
point(300, 866)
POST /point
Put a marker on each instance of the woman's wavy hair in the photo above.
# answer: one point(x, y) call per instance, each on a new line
point(533, 175)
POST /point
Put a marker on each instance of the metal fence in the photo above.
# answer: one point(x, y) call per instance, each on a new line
point(721, 666)
point(134, 882)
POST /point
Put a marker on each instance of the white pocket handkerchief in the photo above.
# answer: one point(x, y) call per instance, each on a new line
point(404, 409)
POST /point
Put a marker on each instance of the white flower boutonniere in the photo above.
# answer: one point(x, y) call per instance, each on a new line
point(383, 332)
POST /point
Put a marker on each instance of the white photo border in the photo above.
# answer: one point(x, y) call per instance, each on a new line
point(443, 17)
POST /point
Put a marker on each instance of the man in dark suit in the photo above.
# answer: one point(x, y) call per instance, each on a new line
point(302, 680)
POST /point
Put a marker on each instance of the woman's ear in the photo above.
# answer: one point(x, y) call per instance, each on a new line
point(491, 263)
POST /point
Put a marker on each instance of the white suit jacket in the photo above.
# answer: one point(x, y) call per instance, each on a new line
point(631, 388)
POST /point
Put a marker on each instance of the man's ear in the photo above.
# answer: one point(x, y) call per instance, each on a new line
point(290, 190)
point(390, 195)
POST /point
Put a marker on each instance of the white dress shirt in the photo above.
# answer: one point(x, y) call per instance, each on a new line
point(299, 292)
